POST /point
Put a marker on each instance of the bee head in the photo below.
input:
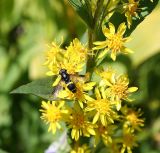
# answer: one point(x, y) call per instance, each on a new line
point(62, 71)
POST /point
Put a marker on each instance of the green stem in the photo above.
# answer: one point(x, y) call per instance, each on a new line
point(91, 37)
point(98, 13)
point(90, 61)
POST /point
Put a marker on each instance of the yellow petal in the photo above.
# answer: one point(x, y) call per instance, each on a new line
point(91, 131)
point(50, 73)
point(118, 105)
point(73, 133)
point(63, 94)
point(88, 97)
point(106, 31)
point(55, 83)
point(77, 135)
point(132, 89)
point(89, 86)
point(97, 93)
point(111, 28)
point(127, 50)
point(103, 121)
point(96, 117)
point(81, 104)
point(113, 56)
point(103, 53)
point(121, 29)
point(100, 45)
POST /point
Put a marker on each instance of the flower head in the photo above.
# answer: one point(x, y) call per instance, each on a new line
point(129, 141)
point(81, 149)
point(78, 122)
point(105, 133)
point(114, 41)
point(52, 54)
point(116, 87)
point(52, 113)
point(131, 119)
point(131, 10)
point(102, 107)
point(72, 59)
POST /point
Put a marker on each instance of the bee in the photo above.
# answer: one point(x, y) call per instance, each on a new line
point(69, 80)
point(66, 78)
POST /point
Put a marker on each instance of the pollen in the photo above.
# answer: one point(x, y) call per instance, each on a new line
point(102, 106)
point(115, 43)
point(78, 120)
point(52, 114)
point(120, 90)
point(132, 7)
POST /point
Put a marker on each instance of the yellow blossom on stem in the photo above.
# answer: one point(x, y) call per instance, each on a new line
point(131, 118)
point(79, 123)
point(114, 41)
point(114, 147)
point(105, 133)
point(72, 59)
point(77, 49)
point(128, 142)
point(117, 89)
point(52, 113)
point(131, 10)
point(81, 149)
point(52, 54)
point(102, 107)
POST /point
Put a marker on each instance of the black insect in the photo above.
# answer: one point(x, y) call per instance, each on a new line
point(66, 78)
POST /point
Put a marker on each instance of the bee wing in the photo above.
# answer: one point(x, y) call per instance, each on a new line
point(78, 78)
point(56, 91)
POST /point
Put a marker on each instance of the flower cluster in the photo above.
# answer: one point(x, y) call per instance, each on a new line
point(91, 108)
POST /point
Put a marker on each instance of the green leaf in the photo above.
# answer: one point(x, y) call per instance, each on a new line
point(42, 88)
point(84, 11)
point(145, 8)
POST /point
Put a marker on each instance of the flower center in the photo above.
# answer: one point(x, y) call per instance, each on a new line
point(101, 129)
point(53, 114)
point(102, 106)
point(128, 140)
point(78, 119)
point(120, 90)
point(115, 43)
point(132, 8)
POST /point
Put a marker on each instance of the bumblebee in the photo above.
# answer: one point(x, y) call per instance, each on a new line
point(66, 78)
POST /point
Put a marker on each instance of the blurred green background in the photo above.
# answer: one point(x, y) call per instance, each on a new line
point(26, 27)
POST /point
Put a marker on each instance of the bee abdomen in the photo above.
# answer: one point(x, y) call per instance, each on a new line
point(71, 86)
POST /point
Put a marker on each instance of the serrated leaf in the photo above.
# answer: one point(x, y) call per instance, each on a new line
point(41, 88)
point(145, 8)
point(83, 11)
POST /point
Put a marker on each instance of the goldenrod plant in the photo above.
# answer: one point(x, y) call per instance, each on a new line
point(91, 101)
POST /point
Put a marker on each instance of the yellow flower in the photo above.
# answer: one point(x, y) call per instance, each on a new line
point(131, 10)
point(52, 113)
point(129, 141)
point(131, 119)
point(104, 132)
point(81, 94)
point(103, 108)
point(107, 77)
point(52, 54)
point(77, 49)
point(81, 149)
point(79, 124)
point(72, 59)
point(114, 147)
point(114, 41)
point(118, 89)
